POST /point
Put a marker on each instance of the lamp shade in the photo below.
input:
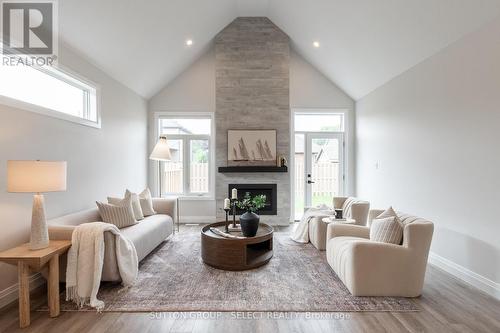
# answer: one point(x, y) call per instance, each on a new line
point(161, 151)
point(36, 176)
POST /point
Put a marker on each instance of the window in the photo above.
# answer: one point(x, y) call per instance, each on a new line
point(189, 172)
point(49, 91)
point(319, 122)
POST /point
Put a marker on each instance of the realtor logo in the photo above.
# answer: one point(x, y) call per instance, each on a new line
point(29, 28)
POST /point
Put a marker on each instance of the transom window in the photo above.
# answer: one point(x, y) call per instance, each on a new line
point(49, 91)
point(319, 122)
point(189, 172)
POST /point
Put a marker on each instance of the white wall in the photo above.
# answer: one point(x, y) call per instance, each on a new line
point(309, 88)
point(434, 131)
point(194, 90)
point(101, 162)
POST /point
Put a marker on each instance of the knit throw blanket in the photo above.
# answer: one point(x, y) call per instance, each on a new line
point(85, 261)
point(301, 232)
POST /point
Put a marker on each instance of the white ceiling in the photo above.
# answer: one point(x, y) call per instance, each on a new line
point(364, 43)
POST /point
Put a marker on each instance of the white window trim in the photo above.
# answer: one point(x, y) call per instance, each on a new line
point(346, 126)
point(15, 103)
point(157, 115)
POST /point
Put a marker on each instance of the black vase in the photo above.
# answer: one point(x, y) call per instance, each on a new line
point(249, 222)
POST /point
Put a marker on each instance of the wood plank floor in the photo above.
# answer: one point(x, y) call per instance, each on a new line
point(447, 305)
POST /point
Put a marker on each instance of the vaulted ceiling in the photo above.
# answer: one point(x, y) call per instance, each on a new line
point(363, 43)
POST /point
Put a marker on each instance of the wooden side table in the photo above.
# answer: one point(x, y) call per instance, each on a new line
point(27, 259)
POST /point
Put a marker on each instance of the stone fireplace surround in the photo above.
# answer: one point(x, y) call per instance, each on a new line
point(252, 92)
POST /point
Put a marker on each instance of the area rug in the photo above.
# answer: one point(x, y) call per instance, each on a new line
point(297, 279)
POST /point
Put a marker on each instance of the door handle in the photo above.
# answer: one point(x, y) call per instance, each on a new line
point(310, 182)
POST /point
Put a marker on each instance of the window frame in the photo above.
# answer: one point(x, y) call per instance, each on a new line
point(186, 142)
point(68, 76)
point(321, 112)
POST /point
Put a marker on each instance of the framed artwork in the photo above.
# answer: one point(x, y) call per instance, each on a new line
point(251, 147)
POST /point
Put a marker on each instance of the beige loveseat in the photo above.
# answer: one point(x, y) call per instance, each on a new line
point(146, 235)
point(369, 268)
point(353, 208)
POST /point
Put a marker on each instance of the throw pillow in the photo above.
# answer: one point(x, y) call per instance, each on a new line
point(146, 202)
point(386, 230)
point(134, 202)
point(121, 215)
point(389, 212)
point(136, 205)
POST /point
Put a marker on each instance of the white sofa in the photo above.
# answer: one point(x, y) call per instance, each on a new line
point(353, 208)
point(146, 235)
point(369, 268)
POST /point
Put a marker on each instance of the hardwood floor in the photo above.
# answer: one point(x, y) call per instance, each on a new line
point(447, 305)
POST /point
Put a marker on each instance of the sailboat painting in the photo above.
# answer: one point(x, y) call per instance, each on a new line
point(251, 147)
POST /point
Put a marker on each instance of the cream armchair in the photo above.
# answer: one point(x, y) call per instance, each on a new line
point(353, 208)
point(370, 268)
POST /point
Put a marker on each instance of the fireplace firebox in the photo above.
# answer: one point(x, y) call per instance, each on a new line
point(269, 190)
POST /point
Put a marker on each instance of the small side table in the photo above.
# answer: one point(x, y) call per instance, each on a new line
point(340, 221)
point(27, 259)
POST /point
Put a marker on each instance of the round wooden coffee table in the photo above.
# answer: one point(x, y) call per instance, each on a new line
point(236, 254)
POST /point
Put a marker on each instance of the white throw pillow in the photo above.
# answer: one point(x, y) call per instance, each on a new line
point(146, 202)
point(121, 215)
point(136, 205)
point(387, 230)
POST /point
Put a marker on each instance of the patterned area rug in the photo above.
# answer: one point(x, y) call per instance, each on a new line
point(298, 278)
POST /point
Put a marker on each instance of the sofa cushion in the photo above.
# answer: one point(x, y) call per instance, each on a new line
point(149, 233)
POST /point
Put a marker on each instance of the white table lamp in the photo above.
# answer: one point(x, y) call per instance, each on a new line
point(161, 153)
point(37, 177)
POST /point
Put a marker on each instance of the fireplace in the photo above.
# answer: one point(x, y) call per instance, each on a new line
point(269, 190)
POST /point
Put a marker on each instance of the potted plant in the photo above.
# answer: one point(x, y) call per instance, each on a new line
point(249, 220)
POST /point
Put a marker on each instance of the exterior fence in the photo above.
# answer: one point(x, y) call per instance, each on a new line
point(325, 175)
point(199, 177)
point(173, 177)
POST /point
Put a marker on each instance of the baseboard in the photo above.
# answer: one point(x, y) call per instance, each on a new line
point(10, 294)
point(197, 219)
point(480, 282)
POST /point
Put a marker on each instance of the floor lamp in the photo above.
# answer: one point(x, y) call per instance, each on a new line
point(161, 153)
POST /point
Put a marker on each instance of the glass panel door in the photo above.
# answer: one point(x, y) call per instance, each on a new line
point(324, 168)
